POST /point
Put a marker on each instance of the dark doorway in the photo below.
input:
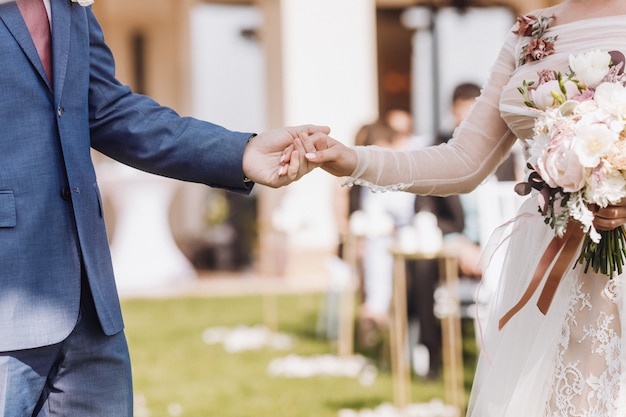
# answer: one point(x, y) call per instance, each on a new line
point(394, 61)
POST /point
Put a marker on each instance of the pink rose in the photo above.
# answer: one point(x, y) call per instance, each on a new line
point(525, 25)
point(586, 95)
point(546, 75)
point(617, 154)
point(559, 165)
point(617, 60)
point(538, 49)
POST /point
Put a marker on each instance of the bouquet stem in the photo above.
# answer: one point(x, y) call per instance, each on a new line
point(606, 256)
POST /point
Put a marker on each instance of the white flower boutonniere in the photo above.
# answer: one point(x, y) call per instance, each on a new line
point(83, 3)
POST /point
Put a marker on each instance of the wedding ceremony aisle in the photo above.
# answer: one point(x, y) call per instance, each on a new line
point(238, 346)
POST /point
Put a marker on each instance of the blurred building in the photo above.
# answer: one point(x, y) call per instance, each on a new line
point(334, 62)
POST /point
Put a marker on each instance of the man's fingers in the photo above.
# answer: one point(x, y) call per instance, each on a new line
point(307, 145)
point(311, 129)
point(294, 166)
point(285, 157)
point(315, 146)
point(299, 146)
point(317, 141)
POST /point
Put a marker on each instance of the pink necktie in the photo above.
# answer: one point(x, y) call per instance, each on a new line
point(36, 18)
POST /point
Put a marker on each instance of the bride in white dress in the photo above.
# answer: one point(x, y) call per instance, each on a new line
point(572, 360)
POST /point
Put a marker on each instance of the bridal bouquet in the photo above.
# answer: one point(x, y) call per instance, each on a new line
point(577, 155)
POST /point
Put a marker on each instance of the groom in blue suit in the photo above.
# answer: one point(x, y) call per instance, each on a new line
point(62, 347)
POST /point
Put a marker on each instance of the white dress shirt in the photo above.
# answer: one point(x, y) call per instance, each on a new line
point(47, 4)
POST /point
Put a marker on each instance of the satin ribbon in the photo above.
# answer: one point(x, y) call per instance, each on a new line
point(563, 249)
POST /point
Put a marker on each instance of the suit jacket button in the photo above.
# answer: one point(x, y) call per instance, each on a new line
point(66, 194)
point(60, 111)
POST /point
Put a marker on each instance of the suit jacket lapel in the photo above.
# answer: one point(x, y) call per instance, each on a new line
point(61, 23)
point(12, 18)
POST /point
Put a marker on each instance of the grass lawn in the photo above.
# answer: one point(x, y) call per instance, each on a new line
point(176, 373)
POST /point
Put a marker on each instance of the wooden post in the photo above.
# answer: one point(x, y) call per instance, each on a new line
point(452, 339)
point(398, 329)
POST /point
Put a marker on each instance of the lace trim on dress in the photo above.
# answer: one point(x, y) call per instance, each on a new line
point(589, 388)
point(350, 182)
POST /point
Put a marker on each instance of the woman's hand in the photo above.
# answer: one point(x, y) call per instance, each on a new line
point(610, 217)
point(332, 156)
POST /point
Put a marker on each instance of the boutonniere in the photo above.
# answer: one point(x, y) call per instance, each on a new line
point(540, 46)
point(83, 3)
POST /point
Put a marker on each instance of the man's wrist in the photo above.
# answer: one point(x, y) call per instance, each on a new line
point(245, 177)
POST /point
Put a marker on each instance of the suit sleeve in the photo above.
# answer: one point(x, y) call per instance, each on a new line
point(137, 131)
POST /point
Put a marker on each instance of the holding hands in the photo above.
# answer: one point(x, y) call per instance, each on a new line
point(276, 158)
point(281, 156)
point(332, 156)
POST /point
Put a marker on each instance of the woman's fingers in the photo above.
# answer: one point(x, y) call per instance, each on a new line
point(610, 217)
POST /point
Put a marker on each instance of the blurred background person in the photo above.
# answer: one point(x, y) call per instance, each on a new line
point(383, 213)
point(458, 219)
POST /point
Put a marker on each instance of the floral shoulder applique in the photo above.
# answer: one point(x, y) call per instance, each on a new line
point(540, 46)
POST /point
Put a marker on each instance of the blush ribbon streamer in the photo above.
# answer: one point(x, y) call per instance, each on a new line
point(563, 249)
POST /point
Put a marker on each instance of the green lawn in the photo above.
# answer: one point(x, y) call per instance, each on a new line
point(177, 374)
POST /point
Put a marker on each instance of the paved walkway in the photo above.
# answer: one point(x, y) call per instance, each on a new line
point(221, 283)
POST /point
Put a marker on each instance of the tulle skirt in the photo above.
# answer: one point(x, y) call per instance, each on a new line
point(567, 362)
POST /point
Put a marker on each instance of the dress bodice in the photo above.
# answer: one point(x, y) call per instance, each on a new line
point(607, 34)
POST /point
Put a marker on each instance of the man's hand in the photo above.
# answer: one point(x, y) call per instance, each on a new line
point(330, 154)
point(276, 158)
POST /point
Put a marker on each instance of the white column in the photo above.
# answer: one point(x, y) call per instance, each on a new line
point(321, 69)
point(420, 19)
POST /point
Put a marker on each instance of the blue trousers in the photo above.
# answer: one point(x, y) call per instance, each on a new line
point(86, 375)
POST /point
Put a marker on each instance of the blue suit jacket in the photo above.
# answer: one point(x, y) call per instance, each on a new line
point(51, 219)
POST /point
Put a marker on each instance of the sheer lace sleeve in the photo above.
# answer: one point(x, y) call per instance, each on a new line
point(478, 146)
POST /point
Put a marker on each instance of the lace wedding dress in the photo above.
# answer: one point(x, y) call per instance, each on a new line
point(568, 362)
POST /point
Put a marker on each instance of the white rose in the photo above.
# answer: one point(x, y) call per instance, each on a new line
point(536, 146)
point(606, 188)
point(593, 142)
point(586, 107)
point(590, 67)
point(84, 3)
point(611, 97)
